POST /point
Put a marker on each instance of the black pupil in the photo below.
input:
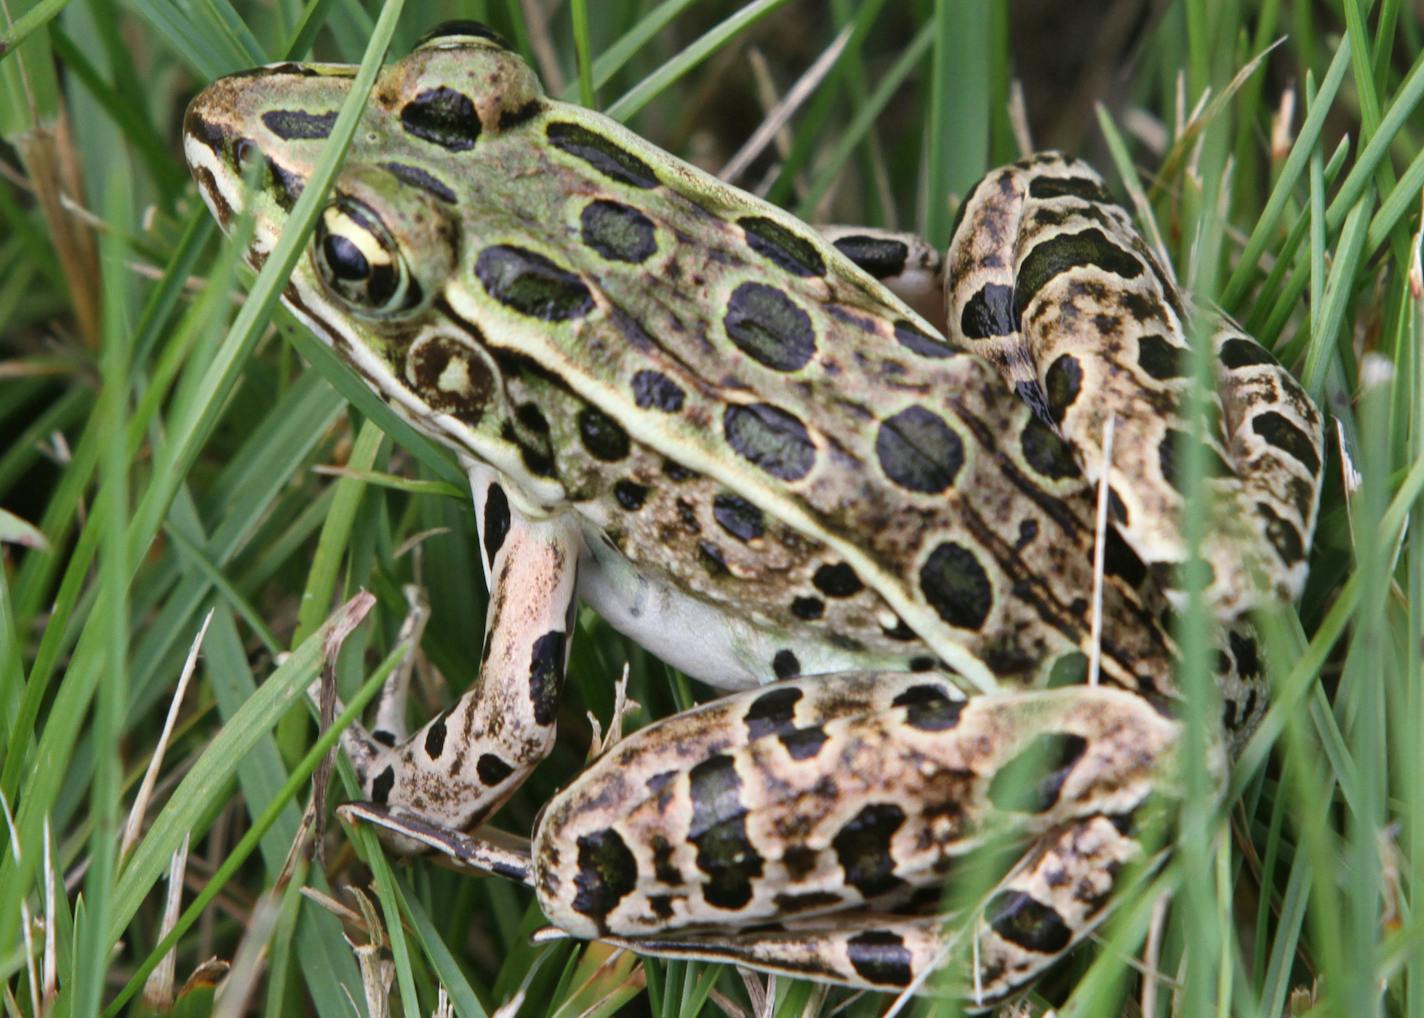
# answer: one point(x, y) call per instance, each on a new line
point(344, 258)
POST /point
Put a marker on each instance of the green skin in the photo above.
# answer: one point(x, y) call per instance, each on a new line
point(684, 407)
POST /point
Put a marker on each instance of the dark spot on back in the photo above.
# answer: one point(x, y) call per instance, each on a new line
point(769, 327)
point(782, 247)
point(919, 451)
point(738, 517)
point(531, 284)
point(604, 155)
point(444, 117)
point(653, 390)
point(602, 435)
point(770, 438)
point(630, 494)
point(618, 232)
point(292, 125)
point(956, 586)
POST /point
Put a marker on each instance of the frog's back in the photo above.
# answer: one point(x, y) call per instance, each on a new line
point(741, 410)
point(744, 411)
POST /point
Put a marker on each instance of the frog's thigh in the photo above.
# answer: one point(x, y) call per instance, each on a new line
point(1060, 892)
point(468, 759)
point(839, 792)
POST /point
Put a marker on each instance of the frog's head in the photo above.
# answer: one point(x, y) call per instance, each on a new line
point(387, 245)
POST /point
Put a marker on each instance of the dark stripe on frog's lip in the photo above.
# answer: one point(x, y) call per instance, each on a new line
point(209, 186)
point(207, 132)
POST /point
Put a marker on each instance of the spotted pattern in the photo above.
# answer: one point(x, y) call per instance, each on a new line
point(719, 830)
point(444, 117)
point(292, 125)
point(546, 675)
point(496, 522)
point(603, 154)
point(1024, 920)
point(738, 517)
point(882, 257)
point(956, 586)
point(770, 438)
point(840, 554)
point(653, 390)
point(880, 957)
point(607, 871)
point(452, 377)
point(532, 284)
point(782, 247)
point(862, 847)
point(603, 436)
point(618, 232)
point(918, 451)
point(769, 327)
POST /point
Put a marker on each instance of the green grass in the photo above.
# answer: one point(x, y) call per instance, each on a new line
point(163, 436)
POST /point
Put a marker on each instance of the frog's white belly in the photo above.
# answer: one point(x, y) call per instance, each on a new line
point(721, 649)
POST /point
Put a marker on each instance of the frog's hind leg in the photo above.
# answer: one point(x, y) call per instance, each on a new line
point(1059, 893)
point(1047, 278)
point(909, 267)
point(463, 763)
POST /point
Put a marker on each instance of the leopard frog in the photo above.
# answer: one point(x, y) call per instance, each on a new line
point(745, 445)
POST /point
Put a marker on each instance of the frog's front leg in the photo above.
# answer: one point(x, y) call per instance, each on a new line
point(466, 761)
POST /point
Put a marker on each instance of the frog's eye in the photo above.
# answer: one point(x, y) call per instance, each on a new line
point(360, 263)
